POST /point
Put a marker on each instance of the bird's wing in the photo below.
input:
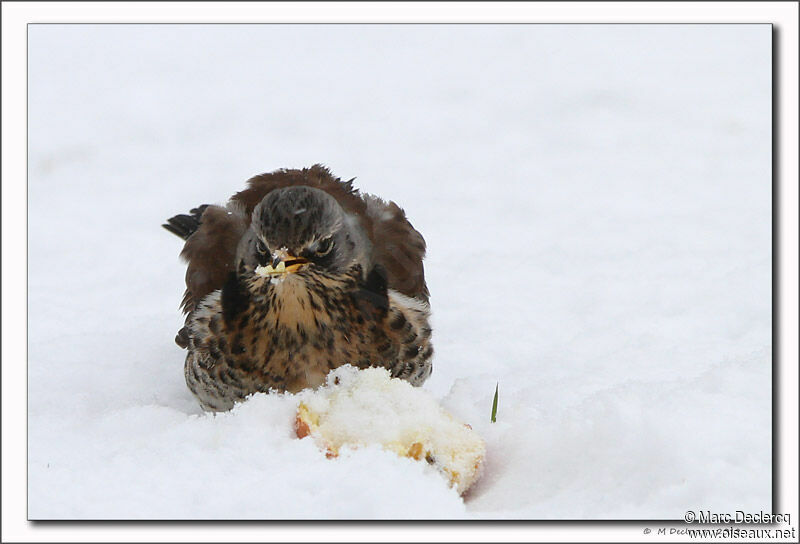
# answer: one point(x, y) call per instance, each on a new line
point(398, 247)
point(210, 252)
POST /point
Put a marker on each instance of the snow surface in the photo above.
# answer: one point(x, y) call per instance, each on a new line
point(596, 202)
point(357, 408)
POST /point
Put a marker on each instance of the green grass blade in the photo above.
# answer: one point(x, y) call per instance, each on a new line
point(494, 403)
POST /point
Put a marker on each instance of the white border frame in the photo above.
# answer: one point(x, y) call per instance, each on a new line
point(15, 17)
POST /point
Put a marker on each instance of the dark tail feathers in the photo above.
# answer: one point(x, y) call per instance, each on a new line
point(184, 225)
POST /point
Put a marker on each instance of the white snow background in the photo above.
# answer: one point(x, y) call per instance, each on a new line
point(596, 202)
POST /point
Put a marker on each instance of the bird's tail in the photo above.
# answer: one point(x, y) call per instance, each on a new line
point(184, 225)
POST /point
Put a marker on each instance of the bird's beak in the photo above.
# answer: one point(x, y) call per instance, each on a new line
point(291, 263)
point(282, 263)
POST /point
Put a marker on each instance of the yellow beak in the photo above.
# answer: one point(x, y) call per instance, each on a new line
point(283, 263)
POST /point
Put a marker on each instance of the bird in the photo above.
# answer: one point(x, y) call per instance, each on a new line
point(296, 275)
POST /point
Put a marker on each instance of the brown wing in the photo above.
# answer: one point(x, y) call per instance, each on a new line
point(210, 252)
point(398, 246)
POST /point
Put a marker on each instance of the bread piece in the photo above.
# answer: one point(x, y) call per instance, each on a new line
point(362, 407)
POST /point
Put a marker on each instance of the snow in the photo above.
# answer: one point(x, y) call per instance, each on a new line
point(365, 407)
point(596, 203)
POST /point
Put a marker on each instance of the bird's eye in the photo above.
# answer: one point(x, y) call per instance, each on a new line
point(324, 247)
point(261, 247)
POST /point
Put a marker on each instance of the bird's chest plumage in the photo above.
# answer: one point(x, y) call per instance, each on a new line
point(291, 333)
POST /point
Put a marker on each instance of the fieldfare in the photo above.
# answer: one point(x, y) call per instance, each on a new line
point(296, 275)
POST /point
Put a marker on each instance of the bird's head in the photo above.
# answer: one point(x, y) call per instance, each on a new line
point(302, 228)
